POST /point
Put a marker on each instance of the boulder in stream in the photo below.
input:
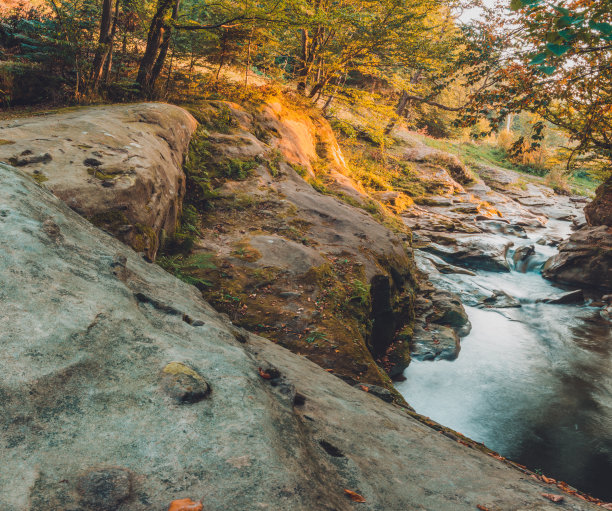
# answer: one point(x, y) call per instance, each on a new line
point(584, 260)
point(500, 300)
point(571, 297)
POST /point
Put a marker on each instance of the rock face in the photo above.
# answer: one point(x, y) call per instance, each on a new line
point(299, 262)
point(98, 349)
point(119, 166)
point(599, 211)
point(584, 260)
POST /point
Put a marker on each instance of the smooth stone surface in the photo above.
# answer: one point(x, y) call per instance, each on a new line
point(118, 165)
point(84, 341)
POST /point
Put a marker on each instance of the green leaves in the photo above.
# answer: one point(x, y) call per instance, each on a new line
point(558, 49)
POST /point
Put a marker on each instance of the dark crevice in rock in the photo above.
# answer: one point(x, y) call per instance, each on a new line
point(330, 449)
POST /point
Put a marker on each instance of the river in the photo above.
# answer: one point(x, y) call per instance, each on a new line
point(533, 383)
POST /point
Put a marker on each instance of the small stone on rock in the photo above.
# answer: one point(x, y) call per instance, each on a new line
point(183, 383)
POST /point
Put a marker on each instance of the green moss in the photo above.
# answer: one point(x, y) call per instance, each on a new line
point(246, 252)
point(300, 169)
point(189, 269)
point(102, 176)
point(274, 160)
point(111, 220)
point(39, 177)
point(213, 117)
point(236, 168)
point(145, 240)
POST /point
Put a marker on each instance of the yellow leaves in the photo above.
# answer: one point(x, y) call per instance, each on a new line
point(185, 505)
point(355, 497)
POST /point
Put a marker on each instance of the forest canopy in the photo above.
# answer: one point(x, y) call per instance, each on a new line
point(416, 60)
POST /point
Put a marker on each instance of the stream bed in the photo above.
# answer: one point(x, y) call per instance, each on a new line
point(533, 383)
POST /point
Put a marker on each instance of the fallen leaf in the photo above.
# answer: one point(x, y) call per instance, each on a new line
point(185, 505)
point(364, 388)
point(355, 497)
point(548, 480)
point(482, 508)
point(264, 375)
point(552, 497)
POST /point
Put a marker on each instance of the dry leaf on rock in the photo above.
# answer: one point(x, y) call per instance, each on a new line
point(185, 505)
point(354, 496)
point(552, 497)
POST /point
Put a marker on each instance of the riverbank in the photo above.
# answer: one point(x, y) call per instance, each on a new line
point(229, 416)
point(531, 379)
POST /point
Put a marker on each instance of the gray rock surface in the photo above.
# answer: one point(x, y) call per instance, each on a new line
point(90, 332)
point(118, 165)
point(584, 260)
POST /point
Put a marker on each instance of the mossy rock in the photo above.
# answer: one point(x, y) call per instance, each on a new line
point(183, 383)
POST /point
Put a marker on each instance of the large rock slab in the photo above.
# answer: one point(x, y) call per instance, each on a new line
point(599, 210)
point(476, 252)
point(296, 262)
point(122, 390)
point(584, 260)
point(118, 165)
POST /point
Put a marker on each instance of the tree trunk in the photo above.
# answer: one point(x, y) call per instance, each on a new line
point(303, 69)
point(163, 49)
point(104, 44)
point(109, 60)
point(154, 42)
point(248, 60)
point(399, 109)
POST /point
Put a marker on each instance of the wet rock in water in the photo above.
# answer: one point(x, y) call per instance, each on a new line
point(448, 310)
point(522, 253)
point(501, 227)
point(606, 313)
point(584, 260)
point(550, 240)
point(500, 300)
point(570, 297)
point(434, 342)
point(450, 269)
point(104, 490)
point(479, 253)
point(183, 383)
point(521, 256)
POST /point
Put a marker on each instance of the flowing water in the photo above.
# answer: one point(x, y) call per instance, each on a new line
point(533, 383)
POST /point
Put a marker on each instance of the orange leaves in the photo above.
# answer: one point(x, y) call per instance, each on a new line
point(185, 505)
point(482, 508)
point(355, 497)
point(264, 375)
point(364, 388)
point(552, 497)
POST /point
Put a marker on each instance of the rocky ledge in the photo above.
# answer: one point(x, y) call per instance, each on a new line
point(120, 166)
point(123, 390)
